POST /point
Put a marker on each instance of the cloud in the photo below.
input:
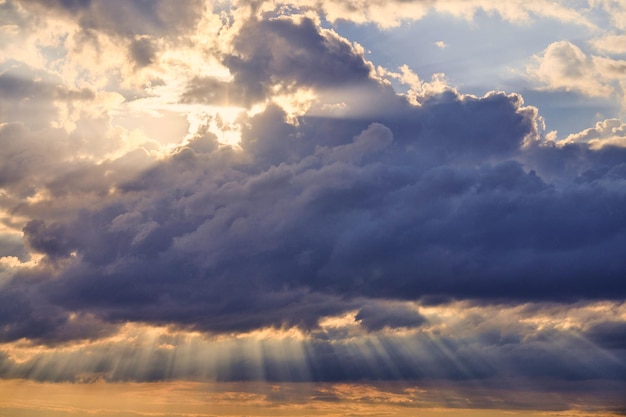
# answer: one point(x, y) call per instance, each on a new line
point(209, 90)
point(24, 89)
point(440, 199)
point(564, 66)
point(616, 10)
point(26, 316)
point(283, 52)
point(610, 132)
point(143, 51)
point(304, 218)
point(12, 245)
point(126, 18)
point(489, 346)
point(390, 215)
point(377, 317)
point(389, 14)
point(612, 44)
point(608, 334)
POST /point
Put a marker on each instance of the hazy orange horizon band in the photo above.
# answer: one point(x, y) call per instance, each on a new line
point(312, 208)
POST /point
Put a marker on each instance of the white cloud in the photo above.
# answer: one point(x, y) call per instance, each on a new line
point(611, 44)
point(615, 9)
point(604, 133)
point(389, 14)
point(564, 66)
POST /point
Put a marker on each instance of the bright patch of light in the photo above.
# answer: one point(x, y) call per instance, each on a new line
point(295, 104)
point(219, 120)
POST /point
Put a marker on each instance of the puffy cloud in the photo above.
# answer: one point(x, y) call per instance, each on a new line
point(284, 52)
point(610, 132)
point(563, 65)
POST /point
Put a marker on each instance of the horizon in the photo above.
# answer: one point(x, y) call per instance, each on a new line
point(312, 208)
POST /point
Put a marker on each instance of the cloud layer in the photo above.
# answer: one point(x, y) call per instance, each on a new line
point(453, 197)
point(361, 219)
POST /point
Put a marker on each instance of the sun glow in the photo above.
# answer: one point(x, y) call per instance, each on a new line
point(222, 121)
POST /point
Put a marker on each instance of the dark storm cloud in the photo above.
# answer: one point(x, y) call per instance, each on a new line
point(51, 240)
point(283, 235)
point(610, 334)
point(25, 315)
point(458, 197)
point(378, 316)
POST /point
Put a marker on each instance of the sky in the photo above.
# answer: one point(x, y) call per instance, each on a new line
point(312, 208)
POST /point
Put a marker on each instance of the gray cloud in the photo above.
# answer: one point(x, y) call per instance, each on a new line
point(287, 53)
point(212, 91)
point(609, 334)
point(143, 51)
point(126, 18)
point(11, 245)
point(376, 317)
point(459, 197)
point(378, 212)
point(27, 94)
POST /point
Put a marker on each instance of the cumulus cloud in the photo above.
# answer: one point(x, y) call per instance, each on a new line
point(435, 199)
point(304, 218)
point(564, 66)
point(284, 52)
point(610, 132)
